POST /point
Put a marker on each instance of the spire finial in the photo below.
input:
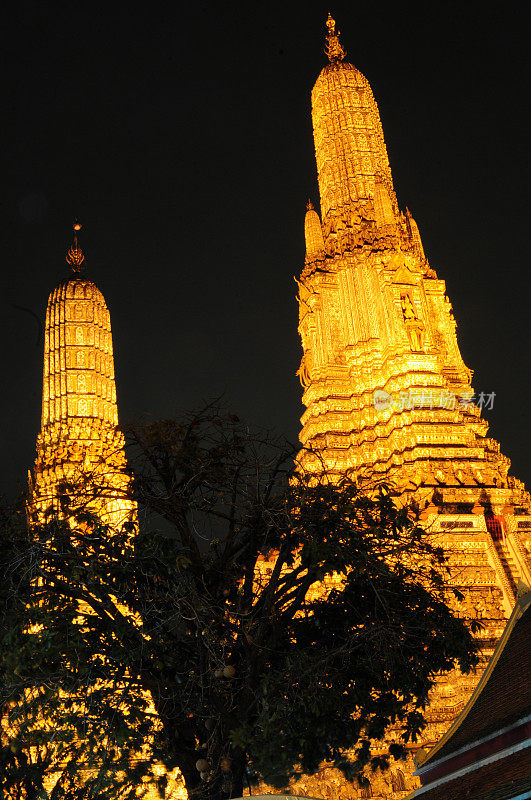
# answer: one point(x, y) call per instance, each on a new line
point(75, 257)
point(309, 205)
point(333, 48)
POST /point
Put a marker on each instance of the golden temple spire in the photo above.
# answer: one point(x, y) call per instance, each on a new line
point(75, 256)
point(80, 443)
point(333, 48)
point(313, 233)
point(349, 141)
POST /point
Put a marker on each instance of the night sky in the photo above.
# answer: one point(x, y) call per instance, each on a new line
point(181, 138)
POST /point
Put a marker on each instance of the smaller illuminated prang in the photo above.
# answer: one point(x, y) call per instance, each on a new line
point(80, 462)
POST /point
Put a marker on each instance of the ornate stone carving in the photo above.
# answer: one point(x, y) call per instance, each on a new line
point(396, 332)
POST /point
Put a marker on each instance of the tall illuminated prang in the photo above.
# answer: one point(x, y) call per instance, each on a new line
point(80, 464)
point(387, 394)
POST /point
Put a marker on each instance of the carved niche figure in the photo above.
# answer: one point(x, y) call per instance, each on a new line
point(415, 339)
point(415, 328)
point(76, 453)
point(408, 309)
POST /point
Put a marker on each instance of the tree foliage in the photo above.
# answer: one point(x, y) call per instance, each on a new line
point(259, 622)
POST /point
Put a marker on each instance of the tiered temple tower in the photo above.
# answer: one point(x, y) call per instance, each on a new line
point(80, 444)
point(80, 465)
point(387, 395)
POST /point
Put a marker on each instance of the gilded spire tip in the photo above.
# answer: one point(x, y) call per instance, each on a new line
point(333, 48)
point(75, 256)
point(309, 205)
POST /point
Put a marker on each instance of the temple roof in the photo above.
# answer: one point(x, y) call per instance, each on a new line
point(504, 780)
point(502, 695)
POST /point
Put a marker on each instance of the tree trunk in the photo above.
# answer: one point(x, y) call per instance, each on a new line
point(219, 787)
point(237, 788)
point(213, 790)
point(192, 779)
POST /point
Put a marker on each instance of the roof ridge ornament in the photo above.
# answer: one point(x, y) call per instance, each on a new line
point(75, 256)
point(333, 48)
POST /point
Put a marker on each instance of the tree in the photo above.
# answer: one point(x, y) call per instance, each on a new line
point(276, 619)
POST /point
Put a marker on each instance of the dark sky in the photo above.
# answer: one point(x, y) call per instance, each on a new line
point(182, 140)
